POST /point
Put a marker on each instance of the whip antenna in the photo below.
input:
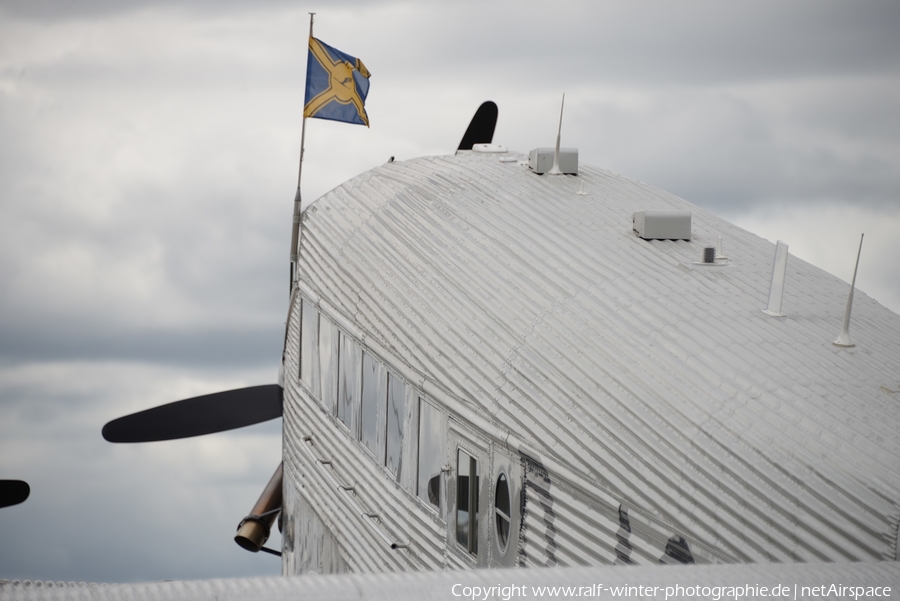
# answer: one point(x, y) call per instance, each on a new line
point(555, 169)
point(844, 338)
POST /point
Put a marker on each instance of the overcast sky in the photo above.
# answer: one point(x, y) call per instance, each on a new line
point(148, 161)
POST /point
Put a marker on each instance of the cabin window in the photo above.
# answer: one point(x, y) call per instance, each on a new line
point(502, 504)
point(374, 394)
point(431, 447)
point(396, 414)
point(348, 387)
point(328, 363)
point(467, 502)
point(309, 333)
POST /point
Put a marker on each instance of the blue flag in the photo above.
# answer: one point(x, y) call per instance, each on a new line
point(336, 85)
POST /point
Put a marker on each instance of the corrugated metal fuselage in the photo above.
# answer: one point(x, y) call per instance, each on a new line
point(486, 368)
point(346, 511)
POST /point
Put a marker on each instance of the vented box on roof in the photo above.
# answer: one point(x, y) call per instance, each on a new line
point(662, 225)
point(541, 160)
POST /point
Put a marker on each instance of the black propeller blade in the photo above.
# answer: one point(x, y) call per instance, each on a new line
point(481, 128)
point(13, 492)
point(199, 415)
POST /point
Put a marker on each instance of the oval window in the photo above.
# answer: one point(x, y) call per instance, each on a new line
point(501, 510)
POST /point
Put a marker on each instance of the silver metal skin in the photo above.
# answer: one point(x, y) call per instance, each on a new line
point(603, 374)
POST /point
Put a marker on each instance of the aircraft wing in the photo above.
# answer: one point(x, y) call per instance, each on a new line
point(859, 581)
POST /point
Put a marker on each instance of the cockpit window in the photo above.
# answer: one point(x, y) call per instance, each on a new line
point(374, 395)
point(396, 415)
point(309, 340)
point(349, 388)
point(328, 362)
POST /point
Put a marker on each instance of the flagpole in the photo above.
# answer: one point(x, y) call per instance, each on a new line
point(295, 230)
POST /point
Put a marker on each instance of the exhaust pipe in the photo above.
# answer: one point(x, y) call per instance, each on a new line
point(253, 531)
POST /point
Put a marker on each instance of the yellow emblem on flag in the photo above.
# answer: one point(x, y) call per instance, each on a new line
point(336, 85)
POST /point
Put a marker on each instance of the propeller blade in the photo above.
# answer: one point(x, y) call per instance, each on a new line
point(13, 492)
point(481, 128)
point(199, 415)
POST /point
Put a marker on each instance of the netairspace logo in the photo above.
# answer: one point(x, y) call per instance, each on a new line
point(713, 593)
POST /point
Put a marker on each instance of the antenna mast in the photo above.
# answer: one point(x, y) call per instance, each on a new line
point(555, 169)
point(844, 338)
point(295, 229)
point(776, 286)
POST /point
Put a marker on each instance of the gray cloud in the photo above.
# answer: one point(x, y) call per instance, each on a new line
point(689, 43)
point(211, 349)
point(131, 512)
